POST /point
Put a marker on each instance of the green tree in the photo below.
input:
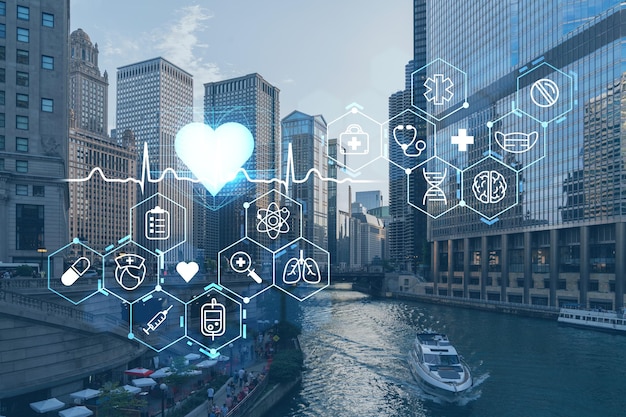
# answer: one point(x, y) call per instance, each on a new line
point(24, 271)
point(286, 366)
point(114, 401)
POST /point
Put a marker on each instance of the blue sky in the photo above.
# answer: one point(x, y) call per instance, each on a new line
point(323, 55)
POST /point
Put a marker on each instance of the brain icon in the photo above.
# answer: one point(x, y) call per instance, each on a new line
point(489, 187)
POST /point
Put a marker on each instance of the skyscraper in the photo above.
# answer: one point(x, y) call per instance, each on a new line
point(99, 211)
point(253, 102)
point(564, 239)
point(33, 128)
point(154, 100)
point(307, 137)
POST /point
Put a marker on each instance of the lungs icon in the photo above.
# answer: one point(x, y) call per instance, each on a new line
point(300, 268)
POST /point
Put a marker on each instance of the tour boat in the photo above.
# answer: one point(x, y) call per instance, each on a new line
point(436, 364)
point(593, 318)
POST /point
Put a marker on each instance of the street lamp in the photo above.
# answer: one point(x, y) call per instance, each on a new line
point(41, 252)
point(163, 391)
point(230, 359)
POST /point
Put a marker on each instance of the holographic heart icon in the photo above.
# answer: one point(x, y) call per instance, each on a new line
point(187, 270)
point(214, 156)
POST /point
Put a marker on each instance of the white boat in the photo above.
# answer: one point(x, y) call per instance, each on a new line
point(593, 318)
point(436, 364)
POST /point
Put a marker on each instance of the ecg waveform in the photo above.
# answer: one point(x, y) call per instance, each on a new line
point(290, 177)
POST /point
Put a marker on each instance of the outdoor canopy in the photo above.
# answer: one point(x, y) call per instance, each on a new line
point(131, 389)
point(51, 404)
point(144, 382)
point(78, 411)
point(143, 372)
point(85, 394)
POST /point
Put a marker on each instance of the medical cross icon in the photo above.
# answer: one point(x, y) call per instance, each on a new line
point(241, 262)
point(354, 143)
point(462, 140)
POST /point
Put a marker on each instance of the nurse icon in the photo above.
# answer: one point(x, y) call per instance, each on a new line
point(130, 271)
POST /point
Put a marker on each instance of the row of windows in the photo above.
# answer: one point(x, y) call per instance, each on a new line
point(37, 190)
point(20, 166)
point(23, 13)
point(22, 102)
point(23, 57)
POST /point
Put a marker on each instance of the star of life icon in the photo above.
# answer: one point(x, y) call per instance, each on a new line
point(156, 321)
point(438, 89)
point(273, 220)
point(354, 141)
point(130, 271)
point(489, 187)
point(516, 142)
point(157, 224)
point(213, 319)
point(434, 179)
point(300, 268)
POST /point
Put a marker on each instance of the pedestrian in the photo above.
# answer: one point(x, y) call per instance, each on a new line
point(210, 393)
point(224, 409)
point(242, 375)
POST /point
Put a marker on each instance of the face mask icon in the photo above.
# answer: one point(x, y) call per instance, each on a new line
point(516, 142)
point(300, 268)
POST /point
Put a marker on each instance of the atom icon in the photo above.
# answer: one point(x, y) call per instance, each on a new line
point(273, 220)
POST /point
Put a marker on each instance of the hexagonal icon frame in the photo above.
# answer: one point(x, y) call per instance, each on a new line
point(373, 142)
point(518, 141)
point(409, 172)
point(72, 273)
point(493, 218)
point(244, 265)
point(113, 253)
point(153, 324)
point(275, 220)
point(207, 350)
point(412, 146)
point(544, 91)
point(290, 246)
point(435, 82)
point(159, 215)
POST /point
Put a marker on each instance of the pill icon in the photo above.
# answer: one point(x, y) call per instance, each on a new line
point(544, 93)
point(75, 271)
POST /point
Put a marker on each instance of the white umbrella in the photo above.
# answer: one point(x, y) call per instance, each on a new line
point(206, 364)
point(78, 411)
point(51, 404)
point(223, 358)
point(161, 373)
point(192, 356)
point(85, 394)
point(144, 382)
point(131, 389)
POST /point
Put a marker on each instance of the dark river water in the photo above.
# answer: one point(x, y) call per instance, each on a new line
point(356, 362)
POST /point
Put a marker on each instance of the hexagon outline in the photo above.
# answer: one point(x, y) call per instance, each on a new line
point(130, 219)
point(408, 188)
point(503, 210)
point(498, 155)
point(219, 277)
point(131, 335)
point(327, 272)
point(571, 91)
point(216, 288)
point(246, 217)
point(355, 110)
point(465, 89)
point(75, 241)
point(124, 243)
point(403, 112)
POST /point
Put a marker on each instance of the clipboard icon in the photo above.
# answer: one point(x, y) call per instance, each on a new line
point(157, 224)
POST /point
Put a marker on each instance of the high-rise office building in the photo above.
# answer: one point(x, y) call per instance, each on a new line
point(253, 102)
point(155, 100)
point(34, 38)
point(564, 239)
point(307, 137)
point(369, 199)
point(98, 211)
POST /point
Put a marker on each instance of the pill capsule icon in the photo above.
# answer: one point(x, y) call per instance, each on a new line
point(75, 271)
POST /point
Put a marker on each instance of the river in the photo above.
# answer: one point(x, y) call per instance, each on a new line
point(356, 362)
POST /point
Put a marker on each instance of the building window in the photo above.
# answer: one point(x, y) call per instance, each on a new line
point(21, 122)
point(1, 164)
point(23, 13)
point(22, 35)
point(47, 62)
point(21, 100)
point(21, 167)
point(2, 142)
point(21, 189)
point(29, 226)
point(3, 31)
point(39, 191)
point(47, 20)
point(3, 53)
point(22, 57)
point(2, 94)
point(2, 120)
point(21, 78)
point(3, 8)
point(47, 105)
point(21, 144)
point(2, 75)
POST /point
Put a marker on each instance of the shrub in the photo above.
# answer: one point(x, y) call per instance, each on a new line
point(24, 271)
point(286, 366)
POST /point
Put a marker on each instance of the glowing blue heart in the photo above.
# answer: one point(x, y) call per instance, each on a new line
point(214, 156)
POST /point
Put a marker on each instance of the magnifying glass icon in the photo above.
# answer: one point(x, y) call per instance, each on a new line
point(241, 262)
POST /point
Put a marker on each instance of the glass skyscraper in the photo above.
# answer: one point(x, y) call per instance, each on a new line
point(562, 238)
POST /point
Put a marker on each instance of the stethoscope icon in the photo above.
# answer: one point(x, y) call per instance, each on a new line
point(420, 145)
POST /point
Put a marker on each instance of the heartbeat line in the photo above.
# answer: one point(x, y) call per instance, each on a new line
point(290, 177)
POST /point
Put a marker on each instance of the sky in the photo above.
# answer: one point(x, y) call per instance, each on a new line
point(323, 55)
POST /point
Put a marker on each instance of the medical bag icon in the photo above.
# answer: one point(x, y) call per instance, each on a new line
point(300, 268)
point(354, 141)
point(213, 319)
